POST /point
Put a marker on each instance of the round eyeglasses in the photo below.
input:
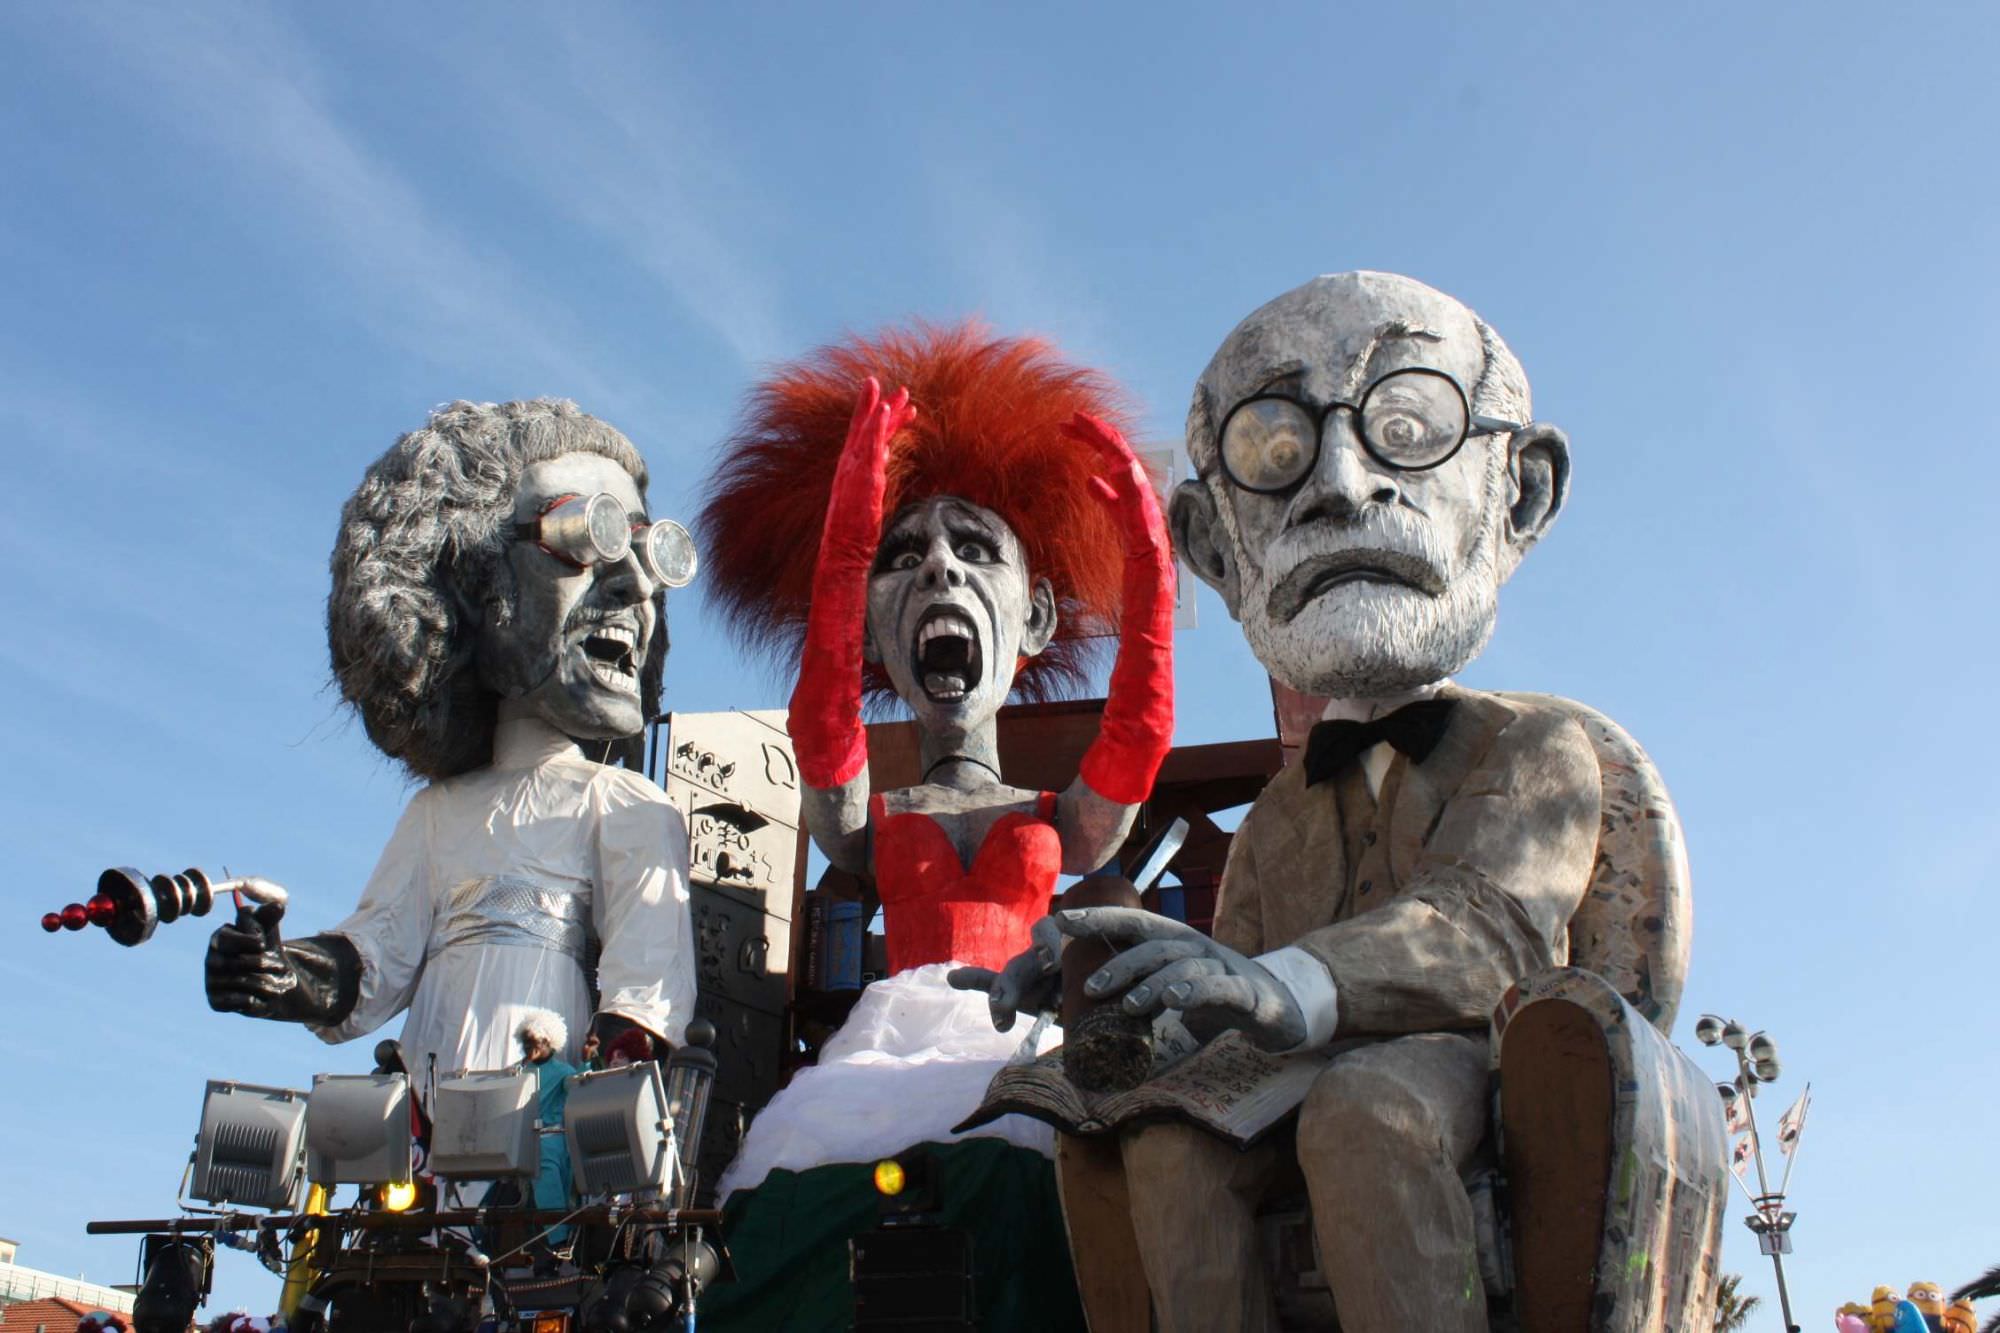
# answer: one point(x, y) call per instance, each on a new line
point(1409, 420)
point(584, 530)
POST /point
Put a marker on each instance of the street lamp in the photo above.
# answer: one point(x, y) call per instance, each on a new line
point(1756, 1064)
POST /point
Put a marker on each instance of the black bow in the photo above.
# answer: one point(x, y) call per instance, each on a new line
point(1414, 729)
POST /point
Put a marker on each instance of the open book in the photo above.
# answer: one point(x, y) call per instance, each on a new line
point(1228, 1087)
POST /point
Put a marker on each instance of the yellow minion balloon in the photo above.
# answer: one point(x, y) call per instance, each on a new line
point(1882, 1310)
point(1958, 1318)
point(1928, 1297)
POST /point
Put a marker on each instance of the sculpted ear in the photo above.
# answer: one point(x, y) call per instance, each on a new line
point(1539, 466)
point(1041, 626)
point(1202, 541)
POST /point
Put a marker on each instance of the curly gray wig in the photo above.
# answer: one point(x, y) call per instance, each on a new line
point(420, 558)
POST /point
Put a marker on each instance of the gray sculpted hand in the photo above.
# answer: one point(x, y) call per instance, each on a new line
point(1029, 983)
point(1166, 964)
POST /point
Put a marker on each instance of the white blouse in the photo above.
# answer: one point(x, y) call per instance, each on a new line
point(490, 889)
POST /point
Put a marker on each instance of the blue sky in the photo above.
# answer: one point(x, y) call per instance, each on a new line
point(1744, 252)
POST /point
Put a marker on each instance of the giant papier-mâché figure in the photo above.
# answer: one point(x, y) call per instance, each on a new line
point(1368, 473)
point(498, 598)
point(947, 517)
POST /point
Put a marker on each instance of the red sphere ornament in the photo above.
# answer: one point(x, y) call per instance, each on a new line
point(100, 910)
point(52, 922)
point(75, 917)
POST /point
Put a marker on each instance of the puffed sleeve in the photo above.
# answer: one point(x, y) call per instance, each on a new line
point(646, 967)
point(391, 927)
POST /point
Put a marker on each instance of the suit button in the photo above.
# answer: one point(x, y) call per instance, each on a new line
point(1368, 838)
point(1367, 884)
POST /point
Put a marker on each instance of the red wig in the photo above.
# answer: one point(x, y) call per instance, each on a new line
point(986, 431)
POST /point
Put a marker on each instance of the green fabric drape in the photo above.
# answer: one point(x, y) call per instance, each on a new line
point(788, 1241)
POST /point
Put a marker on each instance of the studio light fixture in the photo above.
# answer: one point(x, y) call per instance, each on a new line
point(483, 1125)
point(358, 1130)
point(249, 1152)
point(619, 1131)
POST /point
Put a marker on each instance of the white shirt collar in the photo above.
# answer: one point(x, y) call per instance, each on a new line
point(528, 742)
point(1367, 710)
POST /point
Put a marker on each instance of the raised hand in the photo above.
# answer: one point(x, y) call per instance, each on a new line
point(1137, 726)
point(1123, 486)
point(1166, 964)
point(825, 723)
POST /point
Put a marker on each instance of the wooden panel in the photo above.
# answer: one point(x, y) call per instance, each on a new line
point(1555, 1096)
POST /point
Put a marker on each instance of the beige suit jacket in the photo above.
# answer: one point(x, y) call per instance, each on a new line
point(1427, 901)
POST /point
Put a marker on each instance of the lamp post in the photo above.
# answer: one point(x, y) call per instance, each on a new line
point(1756, 1063)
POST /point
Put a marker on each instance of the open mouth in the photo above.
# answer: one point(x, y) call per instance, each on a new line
point(1313, 578)
point(611, 651)
point(946, 655)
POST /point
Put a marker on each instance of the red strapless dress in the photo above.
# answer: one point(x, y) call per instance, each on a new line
point(936, 910)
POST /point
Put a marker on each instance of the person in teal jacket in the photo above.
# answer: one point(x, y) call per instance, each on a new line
point(541, 1035)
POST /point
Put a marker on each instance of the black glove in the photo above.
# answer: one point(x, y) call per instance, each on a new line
point(250, 971)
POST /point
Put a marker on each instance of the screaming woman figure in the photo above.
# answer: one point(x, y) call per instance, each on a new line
point(1018, 524)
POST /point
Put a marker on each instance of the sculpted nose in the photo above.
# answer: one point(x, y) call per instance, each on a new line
point(940, 571)
point(1346, 481)
point(626, 580)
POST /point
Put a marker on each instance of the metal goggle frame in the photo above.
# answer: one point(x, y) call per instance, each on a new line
point(584, 530)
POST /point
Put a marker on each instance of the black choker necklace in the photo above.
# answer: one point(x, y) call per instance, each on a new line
point(961, 759)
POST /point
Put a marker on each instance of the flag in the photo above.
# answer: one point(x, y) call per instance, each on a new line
point(1793, 1122)
point(1739, 1158)
point(1735, 1111)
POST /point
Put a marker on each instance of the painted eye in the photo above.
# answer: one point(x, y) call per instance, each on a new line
point(1268, 444)
point(973, 553)
point(1414, 418)
point(906, 560)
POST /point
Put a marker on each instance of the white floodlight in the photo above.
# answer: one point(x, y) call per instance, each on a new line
point(483, 1125)
point(358, 1130)
point(1766, 1071)
point(621, 1139)
point(1708, 1029)
point(1734, 1035)
point(249, 1151)
point(1761, 1047)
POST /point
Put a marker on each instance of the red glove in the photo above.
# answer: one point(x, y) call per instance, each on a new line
point(1138, 724)
point(827, 735)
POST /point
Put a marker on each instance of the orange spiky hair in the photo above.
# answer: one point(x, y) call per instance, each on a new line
point(986, 431)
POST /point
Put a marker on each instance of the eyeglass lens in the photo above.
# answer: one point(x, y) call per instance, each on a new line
point(1409, 419)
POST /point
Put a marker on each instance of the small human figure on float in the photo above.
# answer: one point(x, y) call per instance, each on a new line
point(977, 518)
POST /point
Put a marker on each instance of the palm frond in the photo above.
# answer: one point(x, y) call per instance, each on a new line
point(1986, 1285)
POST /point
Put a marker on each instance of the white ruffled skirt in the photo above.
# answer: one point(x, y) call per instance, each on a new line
point(912, 1060)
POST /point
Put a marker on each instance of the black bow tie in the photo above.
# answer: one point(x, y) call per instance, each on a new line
point(1414, 729)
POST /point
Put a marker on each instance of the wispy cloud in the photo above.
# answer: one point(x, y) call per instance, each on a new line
point(622, 144)
point(245, 86)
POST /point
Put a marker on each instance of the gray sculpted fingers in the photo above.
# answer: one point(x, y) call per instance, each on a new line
point(1200, 995)
point(1137, 963)
point(1122, 925)
point(1149, 996)
point(972, 978)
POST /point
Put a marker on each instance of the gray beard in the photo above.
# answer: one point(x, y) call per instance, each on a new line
point(1370, 641)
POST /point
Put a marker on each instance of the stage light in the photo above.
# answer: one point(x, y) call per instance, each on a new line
point(1761, 1047)
point(619, 1133)
point(358, 1129)
point(1767, 1071)
point(889, 1178)
point(249, 1151)
point(1734, 1036)
point(399, 1195)
point(1708, 1029)
point(483, 1125)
